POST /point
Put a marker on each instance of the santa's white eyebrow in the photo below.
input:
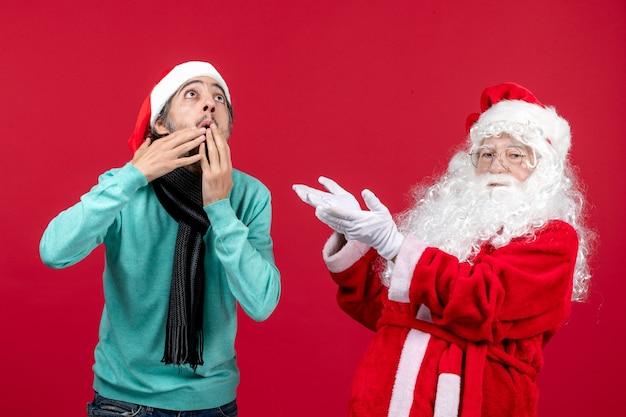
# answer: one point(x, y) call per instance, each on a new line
point(507, 145)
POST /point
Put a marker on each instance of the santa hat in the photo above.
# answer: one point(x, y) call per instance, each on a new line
point(511, 106)
point(168, 84)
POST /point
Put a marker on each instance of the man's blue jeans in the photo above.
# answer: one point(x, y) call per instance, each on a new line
point(105, 407)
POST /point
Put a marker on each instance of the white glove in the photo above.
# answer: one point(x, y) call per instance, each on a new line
point(337, 197)
point(374, 228)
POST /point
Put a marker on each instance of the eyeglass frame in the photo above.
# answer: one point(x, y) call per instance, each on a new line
point(523, 154)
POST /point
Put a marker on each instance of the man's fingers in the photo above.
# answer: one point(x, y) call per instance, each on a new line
point(204, 161)
point(221, 145)
point(216, 166)
point(212, 151)
point(147, 141)
point(181, 137)
point(189, 145)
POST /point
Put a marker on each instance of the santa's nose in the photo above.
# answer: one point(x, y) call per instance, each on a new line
point(497, 166)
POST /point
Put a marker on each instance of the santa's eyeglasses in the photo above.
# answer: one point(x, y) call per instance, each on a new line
point(483, 156)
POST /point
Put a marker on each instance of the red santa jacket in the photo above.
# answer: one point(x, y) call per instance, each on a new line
point(454, 338)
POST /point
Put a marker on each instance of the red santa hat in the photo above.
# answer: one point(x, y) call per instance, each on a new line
point(168, 84)
point(511, 106)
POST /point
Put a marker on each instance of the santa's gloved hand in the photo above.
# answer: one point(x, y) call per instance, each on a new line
point(336, 197)
point(374, 228)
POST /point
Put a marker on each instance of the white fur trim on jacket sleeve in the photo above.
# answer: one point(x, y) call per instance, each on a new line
point(339, 257)
point(407, 258)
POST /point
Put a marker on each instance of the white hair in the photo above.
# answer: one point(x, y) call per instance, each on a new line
point(460, 213)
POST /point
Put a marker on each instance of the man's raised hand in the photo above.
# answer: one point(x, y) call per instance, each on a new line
point(159, 157)
point(217, 169)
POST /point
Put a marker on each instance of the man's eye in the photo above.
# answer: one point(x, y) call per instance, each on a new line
point(487, 155)
point(190, 94)
point(220, 98)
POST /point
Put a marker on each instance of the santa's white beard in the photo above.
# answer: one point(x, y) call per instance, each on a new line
point(463, 211)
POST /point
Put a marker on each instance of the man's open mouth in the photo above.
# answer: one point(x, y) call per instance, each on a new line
point(206, 123)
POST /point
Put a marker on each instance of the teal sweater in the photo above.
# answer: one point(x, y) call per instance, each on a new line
point(123, 212)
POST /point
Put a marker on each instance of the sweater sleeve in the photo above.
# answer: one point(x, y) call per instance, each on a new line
point(244, 247)
point(75, 232)
point(519, 290)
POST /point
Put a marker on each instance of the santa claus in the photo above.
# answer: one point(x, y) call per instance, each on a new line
point(466, 287)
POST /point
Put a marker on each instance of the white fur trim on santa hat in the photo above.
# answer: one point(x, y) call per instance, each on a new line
point(169, 84)
point(552, 127)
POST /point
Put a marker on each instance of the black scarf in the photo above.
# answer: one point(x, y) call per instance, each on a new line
point(180, 193)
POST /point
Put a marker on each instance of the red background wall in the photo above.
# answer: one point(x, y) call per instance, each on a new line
point(373, 94)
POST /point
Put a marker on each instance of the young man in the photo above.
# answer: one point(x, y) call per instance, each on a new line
point(478, 276)
point(187, 238)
